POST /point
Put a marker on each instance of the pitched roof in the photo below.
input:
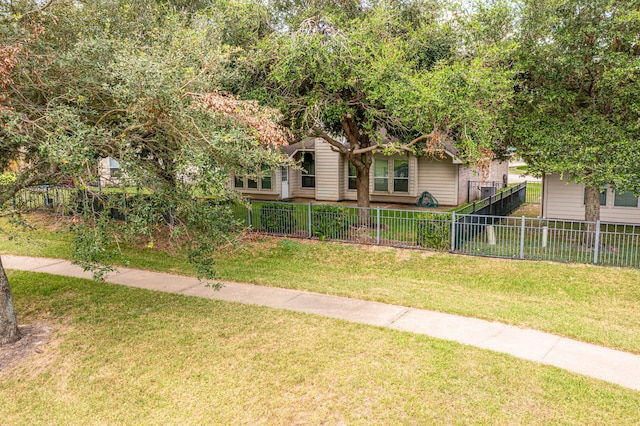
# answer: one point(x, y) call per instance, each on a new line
point(306, 144)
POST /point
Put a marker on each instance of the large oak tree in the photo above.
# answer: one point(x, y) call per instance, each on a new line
point(138, 82)
point(386, 76)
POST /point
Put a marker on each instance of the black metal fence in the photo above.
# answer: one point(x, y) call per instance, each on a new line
point(478, 190)
point(481, 229)
point(485, 230)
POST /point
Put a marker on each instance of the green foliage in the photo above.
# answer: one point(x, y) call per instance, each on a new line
point(577, 110)
point(332, 222)
point(384, 74)
point(94, 247)
point(125, 79)
point(278, 218)
point(7, 179)
point(432, 231)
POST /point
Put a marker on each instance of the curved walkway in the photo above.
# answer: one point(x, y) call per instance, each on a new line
point(591, 360)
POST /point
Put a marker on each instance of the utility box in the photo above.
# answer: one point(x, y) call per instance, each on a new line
point(487, 191)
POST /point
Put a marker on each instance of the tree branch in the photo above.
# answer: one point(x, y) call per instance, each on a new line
point(349, 130)
point(25, 181)
point(334, 143)
point(38, 10)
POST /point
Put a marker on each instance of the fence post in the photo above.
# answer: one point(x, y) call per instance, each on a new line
point(597, 243)
point(453, 232)
point(310, 218)
point(249, 218)
point(522, 239)
point(378, 225)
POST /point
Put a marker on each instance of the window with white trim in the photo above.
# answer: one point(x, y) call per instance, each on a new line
point(353, 180)
point(265, 180)
point(309, 170)
point(381, 175)
point(625, 199)
point(401, 175)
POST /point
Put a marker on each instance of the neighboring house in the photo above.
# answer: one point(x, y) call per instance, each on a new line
point(563, 199)
point(108, 171)
point(326, 175)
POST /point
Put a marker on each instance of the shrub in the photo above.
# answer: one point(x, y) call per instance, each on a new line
point(330, 222)
point(277, 218)
point(7, 179)
point(433, 231)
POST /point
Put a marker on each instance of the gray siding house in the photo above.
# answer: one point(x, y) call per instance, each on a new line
point(327, 176)
point(563, 199)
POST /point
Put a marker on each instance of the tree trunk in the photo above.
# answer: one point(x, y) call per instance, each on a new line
point(362, 185)
point(8, 321)
point(591, 213)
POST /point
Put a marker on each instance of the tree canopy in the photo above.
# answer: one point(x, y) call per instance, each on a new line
point(139, 82)
point(390, 76)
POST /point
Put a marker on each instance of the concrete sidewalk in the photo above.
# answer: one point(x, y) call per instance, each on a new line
point(591, 360)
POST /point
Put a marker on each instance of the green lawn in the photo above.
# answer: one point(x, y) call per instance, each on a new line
point(519, 170)
point(594, 304)
point(129, 356)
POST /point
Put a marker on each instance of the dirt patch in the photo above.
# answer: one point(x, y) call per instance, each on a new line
point(35, 339)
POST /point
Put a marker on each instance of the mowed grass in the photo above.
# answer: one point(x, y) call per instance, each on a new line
point(130, 356)
point(593, 304)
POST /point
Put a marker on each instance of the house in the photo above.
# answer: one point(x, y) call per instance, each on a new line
point(564, 199)
point(108, 171)
point(326, 175)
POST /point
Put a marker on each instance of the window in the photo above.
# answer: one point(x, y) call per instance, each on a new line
point(353, 181)
point(381, 175)
point(625, 199)
point(114, 168)
point(309, 170)
point(400, 175)
point(603, 196)
point(265, 182)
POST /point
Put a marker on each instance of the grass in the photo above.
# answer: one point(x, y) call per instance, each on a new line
point(130, 356)
point(534, 192)
point(593, 304)
point(519, 170)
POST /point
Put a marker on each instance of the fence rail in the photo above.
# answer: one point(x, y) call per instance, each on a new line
point(469, 234)
point(44, 196)
point(483, 230)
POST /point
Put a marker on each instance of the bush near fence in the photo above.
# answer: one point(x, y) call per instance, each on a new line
point(331, 222)
point(278, 218)
point(432, 231)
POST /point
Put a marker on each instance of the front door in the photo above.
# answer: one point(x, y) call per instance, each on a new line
point(285, 182)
